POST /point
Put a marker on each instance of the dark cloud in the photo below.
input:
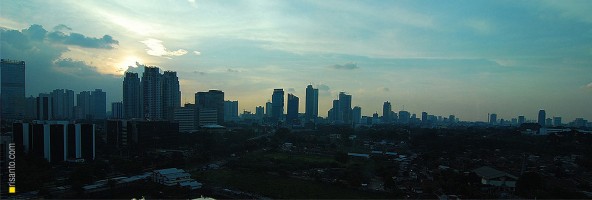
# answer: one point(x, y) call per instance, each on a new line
point(323, 87)
point(232, 70)
point(62, 27)
point(346, 66)
point(47, 69)
point(199, 72)
point(106, 42)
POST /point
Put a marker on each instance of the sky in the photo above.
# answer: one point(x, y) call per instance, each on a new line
point(462, 58)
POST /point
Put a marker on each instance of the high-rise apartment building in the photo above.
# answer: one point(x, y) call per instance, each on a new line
point(277, 101)
point(12, 89)
point(62, 104)
point(117, 110)
point(132, 96)
point(171, 94)
point(542, 117)
point(312, 103)
point(345, 102)
point(357, 114)
point(98, 104)
point(230, 110)
point(152, 93)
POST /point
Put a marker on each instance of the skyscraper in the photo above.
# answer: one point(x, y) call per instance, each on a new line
point(312, 103)
point(345, 101)
point(277, 101)
point(117, 110)
point(292, 115)
point(268, 109)
point(357, 114)
point(132, 96)
point(212, 102)
point(424, 117)
point(62, 104)
point(493, 118)
point(521, 119)
point(98, 104)
point(334, 113)
point(230, 110)
point(12, 89)
point(152, 93)
point(171, 94)
point(404, 117)
point(44, 107)
point(387, 112)
point(542, 116)
point(259, 112)
point(83, 107)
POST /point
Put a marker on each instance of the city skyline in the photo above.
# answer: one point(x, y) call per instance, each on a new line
point(512, 59)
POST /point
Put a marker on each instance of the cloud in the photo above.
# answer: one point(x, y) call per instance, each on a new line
point(62, 27)
point(589, 85)
point(480, 26)
point(385, 89)
point(106, 42)
point(232, 70)
point(156, 48)
point(291, 90)
point(323, 87)
point(346, 66)
point(47, 66)
point(192, 3)
point(197, 53)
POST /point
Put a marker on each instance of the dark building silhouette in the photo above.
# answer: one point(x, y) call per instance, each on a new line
point(171, 94)
point(132, 96)
point(345, 108)
point(387, 112)
point(208, 103)
point(152, 93)
point(404, 117)
point(542, 117)
point(12, 104)
point(493, 118)
point(292, 115)
point(139, 135)
point(311, 104)
point(424, 117)
point(277, 102)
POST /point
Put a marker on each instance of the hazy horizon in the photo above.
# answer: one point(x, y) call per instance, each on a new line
point(462, 58)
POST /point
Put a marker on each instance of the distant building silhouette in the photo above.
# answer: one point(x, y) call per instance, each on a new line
point(493, 118)
point(132, 96)
point(171, 94)
point(12, 89)
point(521, 119)
point(62, 104)
point(152, 93)
point(292, 115)
point(186, 116)
point(356, 114)
point(424, 117)
point(557, 121)
point(259, 112)
point(404, 117)
point(210, 107)
point(277, 100)
point(98, 103)
point(345, 107)
point(268, 109)
point(542, 117)
point(387, 112)
point(116, 110)
point(44, 107)
point(230, 110)
point(312, 103)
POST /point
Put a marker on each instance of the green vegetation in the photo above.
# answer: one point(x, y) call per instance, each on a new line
point(281, 187)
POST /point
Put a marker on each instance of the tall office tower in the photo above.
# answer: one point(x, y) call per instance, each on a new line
point(62, 104)
point(356, 114)
point(345, 101)
point(171, 94)
point(98, 104)
point(492, 118)
point(12, 89)
point(557, 121)
point(424, 117)
point(312, 103)
point(542, 116)
point(268, 108)
point(152, 93)
point(259, 112)
point(44, 107)
point(116, 110)
point(132, 96)
point(335, 112)
point(213, 102)
point(31, 108)
point(83, 109)
point(292, 115)
point(404, 116)
point(230, 110)
point(277, 101)
point(521, 119)
point(387, 112)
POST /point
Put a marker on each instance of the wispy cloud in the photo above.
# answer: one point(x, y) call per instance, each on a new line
point(156, 48)
point(346, 66)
